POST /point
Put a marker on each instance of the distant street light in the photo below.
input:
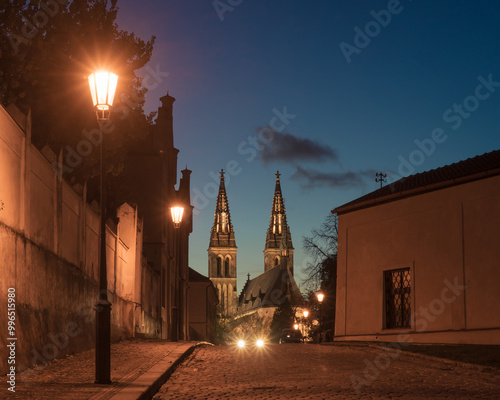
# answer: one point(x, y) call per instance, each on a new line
point(102, 88)
point(305, 313)
point(296, 326)
point(320, 297)
point(176, 213)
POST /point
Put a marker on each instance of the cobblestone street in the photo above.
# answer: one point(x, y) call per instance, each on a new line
point(73, 377)
point(296, 371)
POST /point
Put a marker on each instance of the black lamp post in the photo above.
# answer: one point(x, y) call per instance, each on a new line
point(103, 87)
point(177, 213)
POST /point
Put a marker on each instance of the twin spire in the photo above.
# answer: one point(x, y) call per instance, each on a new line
point(222, 234)
point(278, 233)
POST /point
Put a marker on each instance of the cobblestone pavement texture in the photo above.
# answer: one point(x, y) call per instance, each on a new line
point(73, 377)
point(298, 371)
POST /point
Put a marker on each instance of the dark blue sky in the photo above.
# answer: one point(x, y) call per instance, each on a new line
point(398, 87)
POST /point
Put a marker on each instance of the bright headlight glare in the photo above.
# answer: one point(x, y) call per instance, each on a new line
point(260, 343)
point(241, 344)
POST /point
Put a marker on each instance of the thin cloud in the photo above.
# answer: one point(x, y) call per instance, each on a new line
point(289, 148)
point(312, 178)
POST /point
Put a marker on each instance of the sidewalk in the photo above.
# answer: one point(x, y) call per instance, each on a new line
point(138, 368)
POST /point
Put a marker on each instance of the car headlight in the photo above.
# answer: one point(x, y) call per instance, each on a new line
point(260, 343)
point(241, 344)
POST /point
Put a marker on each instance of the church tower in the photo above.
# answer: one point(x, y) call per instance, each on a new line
point(222, 254)
point(278, 232)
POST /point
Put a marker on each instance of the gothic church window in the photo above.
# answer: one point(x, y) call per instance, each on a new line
point(219, 266)
point(226, 267)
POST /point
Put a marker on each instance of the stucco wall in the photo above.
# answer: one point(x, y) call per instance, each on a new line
point(447, 238)
point(49, 255)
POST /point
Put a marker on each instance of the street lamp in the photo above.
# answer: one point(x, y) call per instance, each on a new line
point(320, 297)
point(176, 213)
point(102, 88)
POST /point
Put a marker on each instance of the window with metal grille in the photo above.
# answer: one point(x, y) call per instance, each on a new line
point(397, 298)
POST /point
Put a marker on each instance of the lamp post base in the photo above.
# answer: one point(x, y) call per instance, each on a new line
point(103, 343)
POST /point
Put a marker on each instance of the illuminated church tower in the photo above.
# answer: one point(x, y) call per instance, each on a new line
point(278, 230)
point(222, 253)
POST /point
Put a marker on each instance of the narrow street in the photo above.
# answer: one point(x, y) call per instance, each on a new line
point(297, 371)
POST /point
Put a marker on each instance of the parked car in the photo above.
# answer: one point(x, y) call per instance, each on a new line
point(290, 336)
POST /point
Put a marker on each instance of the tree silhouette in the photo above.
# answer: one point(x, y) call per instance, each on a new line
point(47, 51)
point(321, 272)
point(283, 317)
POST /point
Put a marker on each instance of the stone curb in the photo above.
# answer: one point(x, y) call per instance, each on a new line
point(146, 385)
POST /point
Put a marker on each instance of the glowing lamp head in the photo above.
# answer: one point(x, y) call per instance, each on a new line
point(306, 313)
point(296, 326)
point(177, 215)
point(320, 297)
point(102, 88)
point(260, 343)
point(241, 344)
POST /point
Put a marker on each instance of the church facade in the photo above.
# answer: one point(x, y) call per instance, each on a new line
point(270, 289)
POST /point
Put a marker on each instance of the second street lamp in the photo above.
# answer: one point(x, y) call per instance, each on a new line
point(102, 88)
point(176, 213)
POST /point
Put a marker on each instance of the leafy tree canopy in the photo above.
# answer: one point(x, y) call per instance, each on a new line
point(47, 50)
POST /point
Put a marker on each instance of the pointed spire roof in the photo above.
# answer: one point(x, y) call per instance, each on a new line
point(278, 228)
point(222, 234)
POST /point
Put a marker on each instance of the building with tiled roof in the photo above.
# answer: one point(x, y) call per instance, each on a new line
point(461, 172)
point(421, 257)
